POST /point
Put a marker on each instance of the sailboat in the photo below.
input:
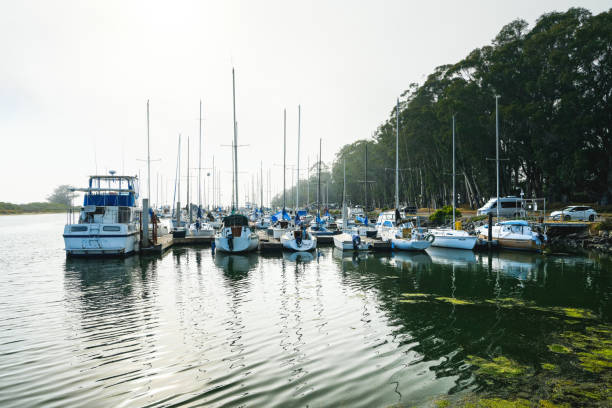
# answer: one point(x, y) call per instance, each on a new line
point(236, 234)
point(317, 227)
point(364, 227)
point(349, 239)
point(299, 238)
point(406, 236)
point(201, 227)
point(451, 237)
point(282, 219)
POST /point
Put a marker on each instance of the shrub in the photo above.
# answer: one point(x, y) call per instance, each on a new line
point(444, 214)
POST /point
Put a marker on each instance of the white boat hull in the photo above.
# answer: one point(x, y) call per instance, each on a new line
point(454, 239)
point(288, 240)
point(344, 242)
point(95, 242)
point(410, 244)
point(247, 241)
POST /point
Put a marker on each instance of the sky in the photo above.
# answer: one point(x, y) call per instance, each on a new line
point(75, 77)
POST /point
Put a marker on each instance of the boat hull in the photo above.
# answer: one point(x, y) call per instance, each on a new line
point(457, 242)
point(307, 244)
point(100, 245)
point(344, 242)
point(244, 243)
point(410, 244)
point(516, 244)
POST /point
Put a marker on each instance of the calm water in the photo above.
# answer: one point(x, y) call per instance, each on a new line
point(311, 330)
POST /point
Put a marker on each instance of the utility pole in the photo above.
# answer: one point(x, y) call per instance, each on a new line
point(497, 151)
point(397, 111)
point(454, 194)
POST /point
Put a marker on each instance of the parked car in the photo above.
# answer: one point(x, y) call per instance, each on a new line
point(509, 207)
point(574, 213)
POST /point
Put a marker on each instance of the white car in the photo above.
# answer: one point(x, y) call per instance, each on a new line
point(573, 213)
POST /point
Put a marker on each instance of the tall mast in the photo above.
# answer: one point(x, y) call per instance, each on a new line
point(365, 180)
point(235, 141)
point(344, 220)
point(284, 152)
point(148, 157)
point(178, 195)
point(188, 182)
point(261, 184)
point(308, 184)
point(297, 194)
point(397, 155)
point(200, 160)
point(497, 152)
point(214, 197)
point(454, 194)
point(319, 183)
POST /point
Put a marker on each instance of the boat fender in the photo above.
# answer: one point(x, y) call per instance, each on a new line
point(213, 246)
point(431, 238)
point(298, 240)
point(356, 241)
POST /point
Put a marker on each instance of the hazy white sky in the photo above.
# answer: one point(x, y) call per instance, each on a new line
point(75, 77)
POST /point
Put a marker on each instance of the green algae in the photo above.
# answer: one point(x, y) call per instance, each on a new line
point(499, 368)
point(577, 313)
point(419, 295)
point(597, 360)
point(559, 348)
point(442, 403)
point(412, 301)
point(568, 391)
point(454, 301)
point(549, 367)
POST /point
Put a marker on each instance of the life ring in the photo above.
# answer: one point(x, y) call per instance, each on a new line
point(430, 238)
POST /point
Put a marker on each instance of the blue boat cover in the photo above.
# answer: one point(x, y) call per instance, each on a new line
point(109, 199)
point(515, 222)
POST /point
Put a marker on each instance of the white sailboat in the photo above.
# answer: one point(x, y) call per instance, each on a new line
point(405, 237)
point(298, 238)
point(236, 234)
point(349, 239)
point(282, 225)
point(451, 237)
point(201, 227)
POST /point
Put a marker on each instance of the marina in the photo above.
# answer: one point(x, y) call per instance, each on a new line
point(306, 204)
point(193, 328)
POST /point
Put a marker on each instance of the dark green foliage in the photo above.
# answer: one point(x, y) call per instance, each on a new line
point(444, 215)
point(555, 83)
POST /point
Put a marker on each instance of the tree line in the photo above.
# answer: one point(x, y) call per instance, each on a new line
point(554, 82)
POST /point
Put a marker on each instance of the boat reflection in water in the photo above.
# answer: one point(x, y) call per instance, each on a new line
point(410, 260)
point(299, 257)
point(234, 263)
point(520, 265)
point(448, 256)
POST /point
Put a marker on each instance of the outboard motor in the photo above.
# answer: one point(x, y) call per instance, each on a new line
point(298, 239)
point(356, 241)
point(230, 241)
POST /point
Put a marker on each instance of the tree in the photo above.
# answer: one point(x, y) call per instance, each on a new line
point(62, 195)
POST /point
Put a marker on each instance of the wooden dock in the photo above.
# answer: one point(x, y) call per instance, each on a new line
point(163, 244)
point(267, 243)
point(191, 240)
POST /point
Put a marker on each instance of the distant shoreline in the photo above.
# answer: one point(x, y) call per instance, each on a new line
point(33, 212)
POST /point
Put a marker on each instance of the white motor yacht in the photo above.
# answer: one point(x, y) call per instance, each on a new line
point(109, 221)
point(514, 234)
